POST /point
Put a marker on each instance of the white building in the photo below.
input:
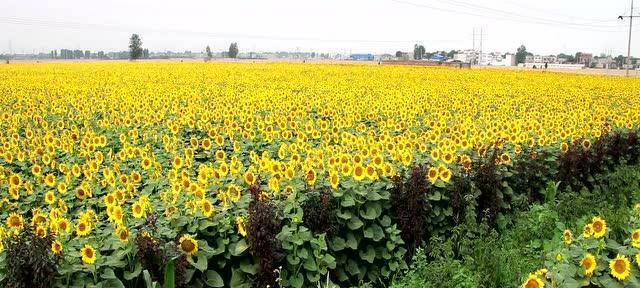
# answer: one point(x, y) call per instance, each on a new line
point(550, 59)
point(466, 56)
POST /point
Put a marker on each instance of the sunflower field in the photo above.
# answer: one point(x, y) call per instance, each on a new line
point(160, 174)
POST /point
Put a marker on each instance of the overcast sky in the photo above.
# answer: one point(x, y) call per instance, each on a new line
point(345, 26)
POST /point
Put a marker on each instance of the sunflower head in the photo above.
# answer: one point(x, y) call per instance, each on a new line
point(188, 245)
point(533, 282)
point(589, 264)
point(88, 254)
point(620, 267)
point(56, 247)
point(599, 227)
point(567, 237)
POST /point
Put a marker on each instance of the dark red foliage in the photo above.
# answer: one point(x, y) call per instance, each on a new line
point(262, 228)
point(29, 261)
point(487, 181)
point(410, 207)
point(320, 212)
point(150, 255)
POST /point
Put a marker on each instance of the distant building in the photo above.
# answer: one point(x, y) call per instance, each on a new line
point(362, 57)
point(385, 57)
point(606, 62)
point(584, 59)
point(466, 56)
point(541, 59)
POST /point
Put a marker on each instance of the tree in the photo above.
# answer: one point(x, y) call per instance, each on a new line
point(135, 47)
point(452, 53)
point(418, 52)
point(619, 60)
point(399, 54)
point(233, 50)
point(209, 54)
point(145, 53)
point(521, 54)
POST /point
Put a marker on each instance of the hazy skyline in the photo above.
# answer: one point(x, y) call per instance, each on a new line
point(375, 26)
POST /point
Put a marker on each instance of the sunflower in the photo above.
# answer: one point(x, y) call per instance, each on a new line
point(432, 175)
point(36, 170)
point(123, 234)
point(88, 254)
point(15, 180)
point(63, 225)
point(564, 147)
point(50, 198)
point(567, 237)
point(589, 264)
point(207, 208)
point(358, 172)
point(146, 163)
point(334, 179)
point(138, 210)
point(242, 230)
point(82, 228)
point(599, 227)
point(587, 231)
point(533, 282)
point(635, 238)
point(371, 172)
point(56, 247)
point(234, 193)
point(50, 180)
point(620, 267)
point(249, 178)
point(447, 158)
point(586, 144)
point(445, 174)
point(188, 245)
point(41, 231)
point(311, 176)
point(15, 221)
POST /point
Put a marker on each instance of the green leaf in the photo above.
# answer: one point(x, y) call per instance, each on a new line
point(293, 260)
point(240, 247)
point(354, 223)
point(213, 279)
point(374, 232)
point(248, 267)
point(169, 275)
point(296, 280)
point(435, 196)
point(201, 263)
point(112, 283)
point(348, 201)
point(147, 279)
point(337, 243)
point(373, 196)
point(310, 264)
point(108, 274)
point(238, 279)
point(351, 241)
point(368, 254)
point(136, 271)
point(371, 211)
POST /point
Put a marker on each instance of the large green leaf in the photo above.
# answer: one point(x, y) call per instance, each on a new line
point(213, 279)
point(169, 275)
point(354, 223)
point(200, 263)
point(368, 254)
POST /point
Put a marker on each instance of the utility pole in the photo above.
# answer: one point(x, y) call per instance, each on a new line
point(631, 16)
point(480, 46)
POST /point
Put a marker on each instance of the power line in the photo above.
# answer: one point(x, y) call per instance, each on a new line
point(509, 16)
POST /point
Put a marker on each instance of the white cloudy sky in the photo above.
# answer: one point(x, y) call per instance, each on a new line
point(376, 26)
